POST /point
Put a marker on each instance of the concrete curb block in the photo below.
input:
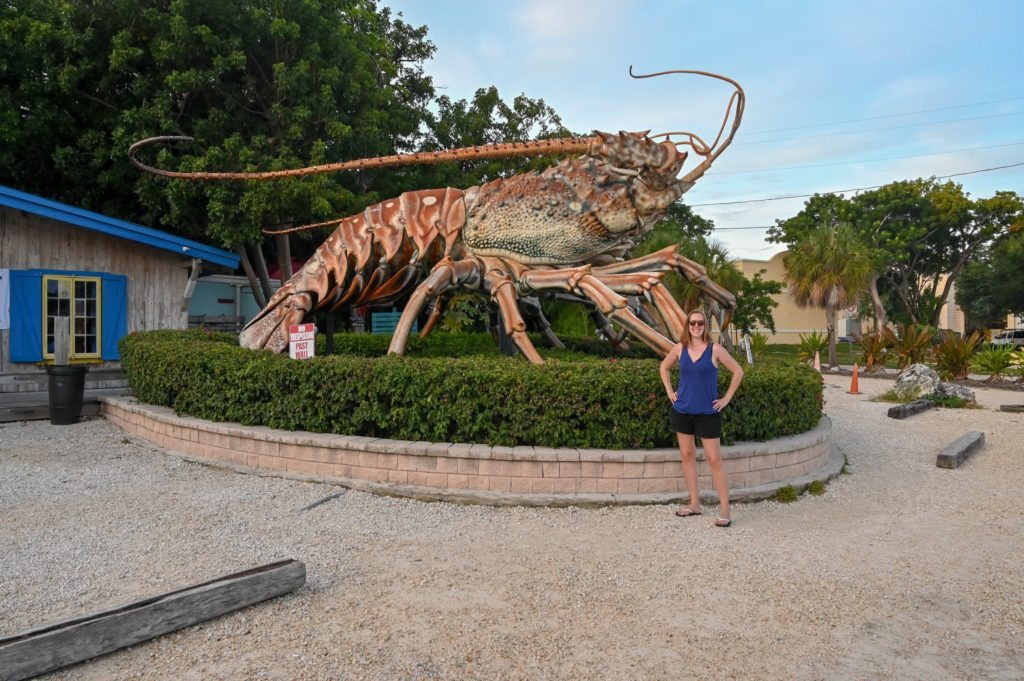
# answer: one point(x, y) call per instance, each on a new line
point(957, 451)
point(902, 411)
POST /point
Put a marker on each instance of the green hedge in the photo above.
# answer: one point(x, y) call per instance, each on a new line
point(574, 400)
point(463, 344)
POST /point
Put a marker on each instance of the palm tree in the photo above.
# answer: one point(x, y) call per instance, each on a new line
point(829, 268)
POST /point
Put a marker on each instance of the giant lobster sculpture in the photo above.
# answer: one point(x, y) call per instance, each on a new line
point(564, 229)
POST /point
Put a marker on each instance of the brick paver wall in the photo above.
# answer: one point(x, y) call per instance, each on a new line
point(470, 468)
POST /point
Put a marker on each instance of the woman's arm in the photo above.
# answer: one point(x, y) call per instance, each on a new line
point(671, 359)
point(722, 355)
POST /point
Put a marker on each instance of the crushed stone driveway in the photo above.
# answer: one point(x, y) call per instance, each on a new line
point(900, 570)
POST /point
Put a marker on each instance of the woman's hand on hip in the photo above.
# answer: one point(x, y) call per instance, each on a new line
point(720, 404)
point(671, 396)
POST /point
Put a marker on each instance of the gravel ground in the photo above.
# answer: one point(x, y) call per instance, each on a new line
point(900, 570)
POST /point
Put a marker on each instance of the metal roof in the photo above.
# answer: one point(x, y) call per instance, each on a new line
point(77, 217)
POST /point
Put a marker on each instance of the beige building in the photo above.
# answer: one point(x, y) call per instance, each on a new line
point(791, 320)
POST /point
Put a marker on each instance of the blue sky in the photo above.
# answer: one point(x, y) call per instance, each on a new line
point(928, 88)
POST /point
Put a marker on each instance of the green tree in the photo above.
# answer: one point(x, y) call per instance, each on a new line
point(486, 119)
point(264, 85)
point(828, 268)
point(921, 234)
point(267, 84)
point(754, 304)
point(993, 285)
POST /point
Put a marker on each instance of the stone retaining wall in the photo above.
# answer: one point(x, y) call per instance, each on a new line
point(480, 473)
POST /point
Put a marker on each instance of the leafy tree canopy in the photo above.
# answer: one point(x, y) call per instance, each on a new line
point(917, 231)
point(262, 85)
point(993, 286)
point(754, 304)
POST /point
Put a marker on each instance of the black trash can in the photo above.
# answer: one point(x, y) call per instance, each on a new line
point(67, 388)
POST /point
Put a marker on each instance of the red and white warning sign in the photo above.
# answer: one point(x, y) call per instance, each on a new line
point(300, 341)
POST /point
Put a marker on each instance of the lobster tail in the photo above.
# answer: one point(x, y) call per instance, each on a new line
point(372, 257)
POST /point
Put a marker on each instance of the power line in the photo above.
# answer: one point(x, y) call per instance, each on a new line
point(876, 118)
point(867, 160)
point(841, 191)
point(891, 127)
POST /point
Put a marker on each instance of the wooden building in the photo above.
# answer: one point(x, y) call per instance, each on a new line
point(111, 277)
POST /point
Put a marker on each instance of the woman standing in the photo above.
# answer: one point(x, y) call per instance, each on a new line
point(696, 408)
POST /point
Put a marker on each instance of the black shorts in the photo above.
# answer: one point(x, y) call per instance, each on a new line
point(702, 425)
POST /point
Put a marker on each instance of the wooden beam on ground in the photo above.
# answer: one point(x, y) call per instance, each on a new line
point(41, 650)
point(1016, 408)
point(957, 451)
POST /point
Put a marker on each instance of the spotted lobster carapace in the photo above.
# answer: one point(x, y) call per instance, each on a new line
point(565, 229)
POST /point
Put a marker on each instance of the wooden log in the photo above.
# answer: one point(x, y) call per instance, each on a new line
point(1015, 408)
point(902, 411)
point(284, 255)
point(250, 273)
point(38, 651)
point(261, 270)
point(957, 451)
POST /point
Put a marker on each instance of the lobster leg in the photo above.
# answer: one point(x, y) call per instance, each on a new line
point(503, 292)
point(446, 274)
point(650, 286)
point(579, 280)
point(668, 259)
point(435, 315)
point(536, 312)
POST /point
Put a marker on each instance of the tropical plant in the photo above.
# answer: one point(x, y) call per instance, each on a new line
point(465, 312)
point(758, 344)
point(1018, 364)
point(814, 342)
point(829, 268)
point(953, 355)
point(994, 360)
point(910, 344)
point(874, 349)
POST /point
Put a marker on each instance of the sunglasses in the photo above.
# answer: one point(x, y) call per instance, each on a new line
point(696, 322)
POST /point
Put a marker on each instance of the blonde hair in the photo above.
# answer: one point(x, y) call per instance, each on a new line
point(706, 336)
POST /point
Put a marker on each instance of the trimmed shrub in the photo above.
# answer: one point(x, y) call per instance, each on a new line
point(579, 401)
point(462, 344)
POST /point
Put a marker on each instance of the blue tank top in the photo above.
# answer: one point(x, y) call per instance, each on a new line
point(698, 384)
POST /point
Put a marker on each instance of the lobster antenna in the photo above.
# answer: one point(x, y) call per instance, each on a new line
point(738, 98)
point(500, 150)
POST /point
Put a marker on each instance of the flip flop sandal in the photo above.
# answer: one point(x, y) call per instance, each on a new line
point(723, 522)
point(687, 513)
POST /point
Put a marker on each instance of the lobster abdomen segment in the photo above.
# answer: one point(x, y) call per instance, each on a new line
point(371, 257)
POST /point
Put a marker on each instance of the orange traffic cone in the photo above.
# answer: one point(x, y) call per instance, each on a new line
point(817, 361)
point(853, 384)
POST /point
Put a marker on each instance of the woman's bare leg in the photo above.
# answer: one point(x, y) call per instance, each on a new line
point(688, 451)
point(713, 453)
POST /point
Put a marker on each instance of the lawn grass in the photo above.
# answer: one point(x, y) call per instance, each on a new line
point(846, 353)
